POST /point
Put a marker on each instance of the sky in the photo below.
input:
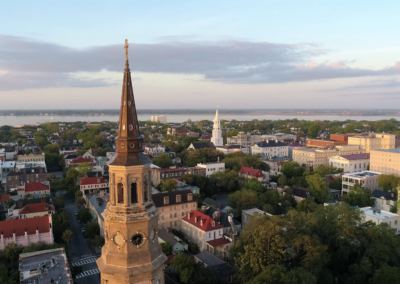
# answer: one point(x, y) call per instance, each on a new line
point(199, 54)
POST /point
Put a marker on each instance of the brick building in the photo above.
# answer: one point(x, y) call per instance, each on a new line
point(34, 188)
point(26, 175)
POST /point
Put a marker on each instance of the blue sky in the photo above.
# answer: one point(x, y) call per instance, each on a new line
point(199, 54)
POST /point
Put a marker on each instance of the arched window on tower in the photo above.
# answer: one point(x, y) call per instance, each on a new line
point(120, 193)
point(134, 197)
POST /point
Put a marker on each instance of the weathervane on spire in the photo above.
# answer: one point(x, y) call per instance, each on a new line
point(126, 49)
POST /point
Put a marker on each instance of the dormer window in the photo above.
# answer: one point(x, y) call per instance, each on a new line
point(201, 222)
point(190, 196)
point(178, 198)
point(195, 219)
point(213, 223)
point(166, 200)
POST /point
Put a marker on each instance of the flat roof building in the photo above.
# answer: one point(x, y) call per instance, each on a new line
point(379, 216)
point(366, 179)
point(47, 266)
point(386, 161)
point(374, 141)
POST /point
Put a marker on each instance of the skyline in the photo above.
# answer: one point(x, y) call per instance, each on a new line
point(268, 55)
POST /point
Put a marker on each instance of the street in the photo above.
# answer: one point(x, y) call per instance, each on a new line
point(80, 249)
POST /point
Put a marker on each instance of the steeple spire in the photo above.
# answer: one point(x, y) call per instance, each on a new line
point(129, 141)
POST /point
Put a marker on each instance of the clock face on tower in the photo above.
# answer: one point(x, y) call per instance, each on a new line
point(119, 240)
point(138, 239)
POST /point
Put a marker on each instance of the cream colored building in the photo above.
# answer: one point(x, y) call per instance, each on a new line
point(350, 163)
point(386, 161)
point(159, 118)
point(244, 139)
point(173, 206)
point(374, 141)
point(316, 157)
point(366, 179)
point(31, 158)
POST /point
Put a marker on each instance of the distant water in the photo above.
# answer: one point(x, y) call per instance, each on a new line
point(21, 120)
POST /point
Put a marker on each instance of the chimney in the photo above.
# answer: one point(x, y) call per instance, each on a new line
point(101, 193)
point(204, 209)
point(217, 217)
point(98, 180)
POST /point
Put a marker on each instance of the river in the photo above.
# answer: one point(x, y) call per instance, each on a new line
point(21, 120)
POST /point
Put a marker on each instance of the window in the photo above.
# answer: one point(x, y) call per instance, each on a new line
point(166, 200)
point(120, 193)
point(178, 198)
point(395, 222)
point(170, 215)
point(175, 215)
point(190, 196)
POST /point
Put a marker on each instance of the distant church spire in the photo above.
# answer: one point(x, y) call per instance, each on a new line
point(129, 141)
point(217, 132)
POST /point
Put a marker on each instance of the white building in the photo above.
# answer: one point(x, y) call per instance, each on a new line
point(384, 200)
point(217, 132)
point(212, 167)
point(159, 119)
point(154, 150)
point(365, 179)
point(350, 163)
point(227, 149)
point(380, 216)
point(280, 136)
point(270, 148)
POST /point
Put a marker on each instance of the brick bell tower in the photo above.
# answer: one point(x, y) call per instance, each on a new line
point(131, 253)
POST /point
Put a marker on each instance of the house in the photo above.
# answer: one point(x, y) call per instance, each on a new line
point(217, 266)
point(201, 145)
point(300, 193)
point(54, 139)
point(380, 216)
point(250, 214)
point(13, 211)
point(366, 179)
point(232, 148)
point(173, 206)
point(36, 210)
point(183, 186)
point(31, 158)
point(270, 148)
point(384, 200)
point(88, 155)
point(54, 263)
point(212, 167)
point(175, 159)
point(27, 175)
point(231, 226)
point(202, 230)
point(88, 184)
point(153, 150)
point(275, 164)
point(79, 160)
point(244, 139)
point(164, 236)
point(247, 172)
point(68, 158)
point(350, 163)
point(34, 188)
point(24, 232)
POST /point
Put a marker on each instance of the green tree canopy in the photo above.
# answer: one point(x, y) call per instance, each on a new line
point(169, 185)
point(292, 169)
point(358, 196)
point(227, 180)
point(241, 200)
point(166, 248)
point(92, 230)
point(317, 188)
point(163, 161)
point(388, 182)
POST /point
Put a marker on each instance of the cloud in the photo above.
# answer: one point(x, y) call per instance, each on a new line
point(228, 61)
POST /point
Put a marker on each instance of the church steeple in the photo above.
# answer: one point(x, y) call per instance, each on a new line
point(217, 132)
point(129, 149)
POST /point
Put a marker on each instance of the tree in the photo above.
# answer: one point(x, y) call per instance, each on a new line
point(92, 230)
point(11, 252)
point(233, 132)
point(4, 277)
point(307, 205)
point(313, 130)
point(169, 185)
point(52, 149)
point(84, 168)
point(282, 180)
point(292, 169)
point(84, 215)
point(10, 202)
point(166, 248)
point(323, 170)
point(386, 274)
point(358, 196)
point(163, 161)
point(317, 188)
point(80, 201)
point(59, 203)
point(98, 241)
point(72, 174)
point(227, 180)
point(193, 248)
point(388, 182)
point(336, 184)
point(28, 196)
point(67, 236)
point(241, 200)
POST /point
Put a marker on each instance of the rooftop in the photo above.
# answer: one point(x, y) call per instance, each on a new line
point(255, 210)
point(158, 198)
point(209, 259)
point(201, 145)
point(271, 143)
point(92, 180)
point(384, 194)
point(361, 174)
point(30, 225)
point(35, 186)
point(394, 151)
point(231, 146)
point(99, 206)
point(251, 172)
point(201, 221)
point(169, 237)
point(54, 260)
point(381, 214)
point(353, 157)
point(36, 207)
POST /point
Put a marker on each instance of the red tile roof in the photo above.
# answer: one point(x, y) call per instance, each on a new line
point(4, 197)
point(251, 172)
point(182, 131)
point(218, 242)
point(20, 225)
point(205, 137)
point(92, 180)
point(36, 207)
point(35, 186)
point(201, 221)
point(81, 159)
